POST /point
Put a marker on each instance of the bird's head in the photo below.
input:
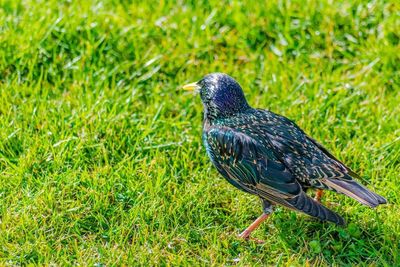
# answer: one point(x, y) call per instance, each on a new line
point(221, 95)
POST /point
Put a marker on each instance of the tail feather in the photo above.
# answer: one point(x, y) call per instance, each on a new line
point(309, 206)
point(356, 191)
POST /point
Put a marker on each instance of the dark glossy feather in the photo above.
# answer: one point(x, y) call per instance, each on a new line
point(250, 166)
point(268, 155)
point(308, 161)
point(354, 190)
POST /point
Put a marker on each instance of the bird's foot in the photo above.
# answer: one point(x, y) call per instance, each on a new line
point(245, 235)
point(256, 240)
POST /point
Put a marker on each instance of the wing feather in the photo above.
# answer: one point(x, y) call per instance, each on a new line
point(253, 168)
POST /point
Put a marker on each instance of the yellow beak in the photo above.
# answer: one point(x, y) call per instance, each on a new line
point(191, 87)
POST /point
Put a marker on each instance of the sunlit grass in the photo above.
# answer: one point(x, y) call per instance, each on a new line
point(101, 160)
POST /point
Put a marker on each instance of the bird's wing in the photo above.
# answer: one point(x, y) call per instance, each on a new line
point(309, 161)
point(256, 169)
point(332, 157)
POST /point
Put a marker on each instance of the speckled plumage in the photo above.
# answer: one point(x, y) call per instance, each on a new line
point(268, 155)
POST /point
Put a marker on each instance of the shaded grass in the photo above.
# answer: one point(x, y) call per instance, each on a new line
point(100, 155)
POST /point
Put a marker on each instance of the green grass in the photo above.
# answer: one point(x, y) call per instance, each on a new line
point(101, 160)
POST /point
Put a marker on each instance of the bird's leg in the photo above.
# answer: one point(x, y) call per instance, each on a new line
point(267, 210)
point(246, 233)
point(318, 195)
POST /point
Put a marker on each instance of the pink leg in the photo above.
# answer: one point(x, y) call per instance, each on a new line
point(318, 195)
point(246, 233)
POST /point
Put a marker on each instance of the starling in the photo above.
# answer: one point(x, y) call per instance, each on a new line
point(268, 155)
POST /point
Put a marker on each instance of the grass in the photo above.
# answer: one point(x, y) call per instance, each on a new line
point(101, 160)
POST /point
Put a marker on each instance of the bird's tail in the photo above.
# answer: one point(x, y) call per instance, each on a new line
point(313, 208)
point(354, 190)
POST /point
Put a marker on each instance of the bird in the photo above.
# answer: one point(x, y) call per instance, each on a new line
point(267, 155)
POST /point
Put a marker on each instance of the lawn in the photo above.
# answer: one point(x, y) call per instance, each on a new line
point(101, 159)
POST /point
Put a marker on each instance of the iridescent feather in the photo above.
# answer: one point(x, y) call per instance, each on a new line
point(268, 155)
